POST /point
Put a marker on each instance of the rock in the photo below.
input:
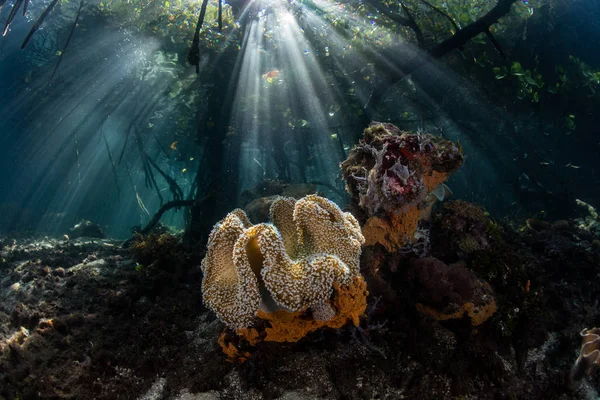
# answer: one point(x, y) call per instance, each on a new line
point(93, 266)
point(87, 229)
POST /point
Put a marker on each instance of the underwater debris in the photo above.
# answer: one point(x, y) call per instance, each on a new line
point(390, 173)
point(589, 356)
point(276, 272)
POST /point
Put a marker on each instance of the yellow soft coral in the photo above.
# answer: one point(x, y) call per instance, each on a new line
point(230, 290)
point(296, 262)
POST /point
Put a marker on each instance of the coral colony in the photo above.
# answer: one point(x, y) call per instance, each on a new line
point(277, 272)
point(283, 280)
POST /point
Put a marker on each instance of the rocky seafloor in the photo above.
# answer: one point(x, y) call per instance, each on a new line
point(85, 318)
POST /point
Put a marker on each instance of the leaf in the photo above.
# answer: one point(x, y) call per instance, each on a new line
point(516, 69)
point(530, 80)
point(499, 73)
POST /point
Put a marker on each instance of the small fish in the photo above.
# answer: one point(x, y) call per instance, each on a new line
point(271, 75)
point(183, 170)
point(569, 165)
point(173, 145)
point(545, 163)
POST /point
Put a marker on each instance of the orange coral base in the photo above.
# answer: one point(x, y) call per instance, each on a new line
point(434, 178)
point(478, 315)
point(392, 230)
point(349, 303)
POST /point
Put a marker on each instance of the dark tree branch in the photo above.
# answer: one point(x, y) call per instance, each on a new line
point(412, 24)
point(150, 178)
point(112, 162)
point(194, 54)
point(175, 189)
point(396, 67)
point(389, 13)
point(443, 14)
point(62, 53)
point(38, 22)
point(165, 207)
point(457, 28)
point(495, 43)
point(409, 21)
point(220, 15)
point(470, 31)
point(11, 15)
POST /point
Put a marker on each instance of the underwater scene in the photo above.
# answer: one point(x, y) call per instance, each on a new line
point(299, 199)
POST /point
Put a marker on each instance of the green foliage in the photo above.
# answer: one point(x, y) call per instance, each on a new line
point(576, 75)
point(528, 82)
point(569, 121)
point(173, 21)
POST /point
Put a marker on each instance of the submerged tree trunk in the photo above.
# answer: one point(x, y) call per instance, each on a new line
point(217, 175)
